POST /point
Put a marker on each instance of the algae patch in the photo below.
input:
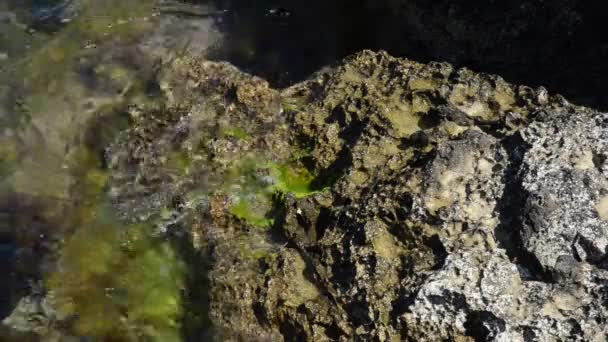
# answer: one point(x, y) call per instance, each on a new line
point(117, 281)
point(114, 280)
point(254, 186)
point(294, 180)
point(237, 132)
point(245, 210)
point(8, 158)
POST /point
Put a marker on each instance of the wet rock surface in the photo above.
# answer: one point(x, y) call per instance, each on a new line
point(446, 205)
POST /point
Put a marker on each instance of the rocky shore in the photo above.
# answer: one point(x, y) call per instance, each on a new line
point(436, 203)
point(381, 199)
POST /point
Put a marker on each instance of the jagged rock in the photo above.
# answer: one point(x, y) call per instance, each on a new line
point(449, 206)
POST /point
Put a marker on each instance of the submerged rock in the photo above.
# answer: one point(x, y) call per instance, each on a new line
point(54, 15)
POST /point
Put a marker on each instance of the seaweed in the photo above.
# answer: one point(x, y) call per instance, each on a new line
point(254, 185)
point(117, 281)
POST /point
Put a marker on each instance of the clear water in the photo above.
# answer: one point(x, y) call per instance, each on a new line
point(68, 68)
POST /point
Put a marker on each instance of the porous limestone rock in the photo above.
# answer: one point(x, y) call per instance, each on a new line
point(447, 205)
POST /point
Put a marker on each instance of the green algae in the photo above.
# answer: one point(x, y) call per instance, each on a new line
point(292, 106)
point(8, 158)
point(295, 180)
point(237, 132)
point(114, 281)
point(243, 209)
point(117, 281)
point(55, 103)
point(255, 185)
point(254, 247)
point(250, 188)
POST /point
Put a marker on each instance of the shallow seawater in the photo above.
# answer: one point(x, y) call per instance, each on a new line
point(69, 70)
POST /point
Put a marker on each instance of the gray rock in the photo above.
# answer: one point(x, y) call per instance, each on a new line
point(564, 178)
